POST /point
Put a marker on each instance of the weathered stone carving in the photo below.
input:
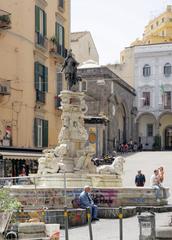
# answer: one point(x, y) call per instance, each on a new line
point(115, 168)
point(52, 161)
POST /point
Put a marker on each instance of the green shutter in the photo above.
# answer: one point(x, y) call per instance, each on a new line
point(36, 73)
point(63, 39)
point(37, 19)
point(35, 132)
point(45, 84)
point(45, 133)
point(59, 83)
point(56, 34)
point(45, 23)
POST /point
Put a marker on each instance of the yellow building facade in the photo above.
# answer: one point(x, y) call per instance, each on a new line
point(158, 30)
point(33, 44)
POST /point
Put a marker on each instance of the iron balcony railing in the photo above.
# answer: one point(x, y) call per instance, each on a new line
point(58, 50)
point(41, 40)
point(40, 96)
point(57, 102)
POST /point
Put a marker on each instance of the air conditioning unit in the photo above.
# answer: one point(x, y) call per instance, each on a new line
point(4, 90)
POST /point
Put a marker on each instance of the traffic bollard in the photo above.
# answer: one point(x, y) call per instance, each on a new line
point(66, 223)
point(120, 216)
point(89, 222)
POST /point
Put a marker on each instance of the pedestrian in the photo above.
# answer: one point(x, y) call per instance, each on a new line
point(86, 200)
point(156, 184)
point(140, 179)
point(161, 174)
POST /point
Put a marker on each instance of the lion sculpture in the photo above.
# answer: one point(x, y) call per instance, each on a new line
point(115, 168)
point(52, 161)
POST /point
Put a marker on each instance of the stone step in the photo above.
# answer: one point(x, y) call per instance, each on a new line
point(164, 232)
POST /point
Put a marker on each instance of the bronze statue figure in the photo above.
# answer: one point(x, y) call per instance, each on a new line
point(70, 67)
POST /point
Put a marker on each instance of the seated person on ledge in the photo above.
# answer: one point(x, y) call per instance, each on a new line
point(87, 201)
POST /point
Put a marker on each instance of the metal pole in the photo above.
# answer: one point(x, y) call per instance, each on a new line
point(65, 197)
point(120, 216)
point(66, 223)
point(89, 223)
point(36, 202)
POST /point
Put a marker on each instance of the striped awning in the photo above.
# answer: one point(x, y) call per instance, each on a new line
point(19, 155)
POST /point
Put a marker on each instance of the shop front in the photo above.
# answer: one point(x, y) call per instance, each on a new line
point(14, 160)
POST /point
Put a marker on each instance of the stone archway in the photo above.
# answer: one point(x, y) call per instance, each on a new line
point(165, 127)
point(168, 138)
point(146, 127)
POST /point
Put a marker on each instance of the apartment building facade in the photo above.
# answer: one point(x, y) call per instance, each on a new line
point(33, 45)
point(83, 47)
point(146, 65)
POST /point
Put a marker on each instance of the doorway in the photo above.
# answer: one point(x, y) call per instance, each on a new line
point(168, 138)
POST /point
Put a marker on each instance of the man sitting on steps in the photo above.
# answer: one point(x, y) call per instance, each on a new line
point(87, 201)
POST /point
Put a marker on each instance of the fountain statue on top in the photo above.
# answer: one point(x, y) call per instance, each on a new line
point(73, 154)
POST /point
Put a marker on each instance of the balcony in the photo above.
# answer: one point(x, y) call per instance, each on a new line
point(5, 21)
point(40, 96)
point(41, 41)
point(57, 102)
point(57, 51)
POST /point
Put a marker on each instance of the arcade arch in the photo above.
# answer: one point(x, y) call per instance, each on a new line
point(146, 125)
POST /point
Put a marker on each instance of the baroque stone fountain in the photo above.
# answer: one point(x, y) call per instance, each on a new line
point(73, 153)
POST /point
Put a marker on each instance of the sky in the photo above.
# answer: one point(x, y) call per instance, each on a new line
point(114, 24)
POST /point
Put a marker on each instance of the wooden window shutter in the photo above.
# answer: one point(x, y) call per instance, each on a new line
point(45, 24)
point(35, 132)
point(45, 84)
point(45, 133)
point(37, 19)
point(36, 73)
point(63, 40)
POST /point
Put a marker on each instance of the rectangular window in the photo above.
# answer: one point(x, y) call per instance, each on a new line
point(60, 39)
point(40, 132)
point(167, 100)
point(59, 87)
point(61, 3)
point(40, 27)
point(149, 130)
point(40, 21)
point(41, 81)
point(84, 86)
point(146, 98)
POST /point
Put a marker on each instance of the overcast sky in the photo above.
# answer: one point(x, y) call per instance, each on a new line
point(114, 24)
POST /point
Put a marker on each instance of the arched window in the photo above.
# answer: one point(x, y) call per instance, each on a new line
point(146, 70)
point(167, 69)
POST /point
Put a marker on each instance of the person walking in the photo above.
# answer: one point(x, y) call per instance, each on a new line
point(86, 200)
point(140, 179)
point(156, 184)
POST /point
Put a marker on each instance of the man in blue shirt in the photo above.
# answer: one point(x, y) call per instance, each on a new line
point(87, 201)
point(140, 179)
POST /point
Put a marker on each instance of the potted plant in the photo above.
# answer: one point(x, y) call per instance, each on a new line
point(53, 41)
point(8, 202)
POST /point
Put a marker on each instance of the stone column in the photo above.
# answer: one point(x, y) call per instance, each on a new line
point(73, 132)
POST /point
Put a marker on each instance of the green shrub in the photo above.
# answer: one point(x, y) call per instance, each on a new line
point(7, 201)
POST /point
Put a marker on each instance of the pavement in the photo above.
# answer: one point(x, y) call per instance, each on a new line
point(108, 229)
